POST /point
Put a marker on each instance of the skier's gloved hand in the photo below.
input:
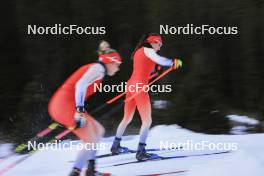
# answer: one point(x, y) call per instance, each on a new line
point(79, 117)
point(177, 63)
point(80, 120)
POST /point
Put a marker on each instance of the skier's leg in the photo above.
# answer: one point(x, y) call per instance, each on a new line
point(62, 107)
point(99, 129)
point(90, 134)
point(144, 109)
point(129, 111)
point(99, 132)
point(82, 158)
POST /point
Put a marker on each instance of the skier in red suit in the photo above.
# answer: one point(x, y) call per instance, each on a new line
point(67, 104)
point(145, 59)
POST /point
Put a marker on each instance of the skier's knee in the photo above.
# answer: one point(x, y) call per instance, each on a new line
point(147, 123)
point(129, 120)
point(100, 131)
point(126, 121)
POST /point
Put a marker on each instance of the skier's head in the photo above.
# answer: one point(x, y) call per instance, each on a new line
point(155, 41)
point(103, 46)
point(112, 61)
point(149, 40)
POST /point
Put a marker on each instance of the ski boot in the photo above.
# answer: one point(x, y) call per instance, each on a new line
point(116, 148)
point(142, 155)
point(91, 170)
point(75, 172)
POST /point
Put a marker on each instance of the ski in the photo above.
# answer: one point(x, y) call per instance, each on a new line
point(158, 158)
point(105, 174)
point(110, 154)
point(164, 173)
point(134, 151)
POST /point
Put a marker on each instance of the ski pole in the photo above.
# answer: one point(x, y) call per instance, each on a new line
point(12, 165)
point(41, 134)
point(152, 82)
point(15, 163)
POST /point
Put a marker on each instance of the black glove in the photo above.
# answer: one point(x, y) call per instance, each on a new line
point(80, 109)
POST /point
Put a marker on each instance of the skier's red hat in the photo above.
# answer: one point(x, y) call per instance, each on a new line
point(113, 57)
point(154, 39)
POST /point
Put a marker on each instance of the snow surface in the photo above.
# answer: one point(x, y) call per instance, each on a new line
point(5, 149)
point(247, 160)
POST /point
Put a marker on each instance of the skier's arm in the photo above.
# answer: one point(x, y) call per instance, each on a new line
point(94, 73)
point(163, 61)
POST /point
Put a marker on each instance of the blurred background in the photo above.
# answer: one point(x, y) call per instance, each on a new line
point(222, 74)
